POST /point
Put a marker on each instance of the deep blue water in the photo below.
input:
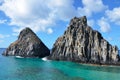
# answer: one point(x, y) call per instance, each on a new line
point(12, 68)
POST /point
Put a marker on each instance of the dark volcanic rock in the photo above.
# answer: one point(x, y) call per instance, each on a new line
point(83, 44)
point(27, 45)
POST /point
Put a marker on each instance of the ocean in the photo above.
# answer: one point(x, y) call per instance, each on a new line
point(13, 68)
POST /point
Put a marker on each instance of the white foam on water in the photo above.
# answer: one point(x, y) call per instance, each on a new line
point(45, 59)
point(19, 57)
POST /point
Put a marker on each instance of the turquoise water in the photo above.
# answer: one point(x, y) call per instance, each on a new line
point(12, 68)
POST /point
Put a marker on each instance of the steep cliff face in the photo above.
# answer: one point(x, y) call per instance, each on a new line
point(83, 44)
point(27, 45)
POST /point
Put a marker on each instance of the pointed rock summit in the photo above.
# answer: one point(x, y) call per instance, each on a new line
point(83, 44)
point(27, 45)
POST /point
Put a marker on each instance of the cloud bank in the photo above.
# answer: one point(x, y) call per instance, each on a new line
point(39, 15)
point(91, 6)
point(42, 15)
point(4, 36)
point(114, 15)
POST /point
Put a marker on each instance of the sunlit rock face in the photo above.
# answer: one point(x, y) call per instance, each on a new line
point(83, 44)
point(27, 45)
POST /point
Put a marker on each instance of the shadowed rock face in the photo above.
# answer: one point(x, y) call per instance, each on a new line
point(27, 45)
point(83, 44)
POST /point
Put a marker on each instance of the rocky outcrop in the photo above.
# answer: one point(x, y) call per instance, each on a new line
point(27, 45)
point(83, 44)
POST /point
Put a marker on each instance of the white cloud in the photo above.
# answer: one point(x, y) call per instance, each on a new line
point(15, 34)
point(114, 15)
point(90, 7)
point(39, 15)
point(91, 22)
point(1, 41)
point(110, 38)
point(4, 36)
point(1, 1)
point(3, 21)
point(50, 31)
point(104, 25)
point(1, 36)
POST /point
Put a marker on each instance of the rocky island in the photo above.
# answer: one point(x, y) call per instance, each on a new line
point(27, 45)
point(80, 43)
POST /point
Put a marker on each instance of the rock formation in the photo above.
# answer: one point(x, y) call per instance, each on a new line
point(27, 45)
point(83, 44)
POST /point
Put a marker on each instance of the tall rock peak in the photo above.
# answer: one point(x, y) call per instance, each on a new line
point(26, 31)
point(77, 21)
point(83, 44)
point(27, 45)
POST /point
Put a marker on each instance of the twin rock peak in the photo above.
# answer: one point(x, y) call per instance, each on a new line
point(79, 43)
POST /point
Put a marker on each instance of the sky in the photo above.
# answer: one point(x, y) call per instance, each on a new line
point(50, 18)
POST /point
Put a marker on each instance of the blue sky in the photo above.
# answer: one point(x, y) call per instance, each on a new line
point(50, 18)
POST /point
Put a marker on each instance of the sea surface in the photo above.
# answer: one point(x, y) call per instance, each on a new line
point(12, 68)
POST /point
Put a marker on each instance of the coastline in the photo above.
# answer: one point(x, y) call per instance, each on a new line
point(83, 63)
point(117, 64)
point(102, 65)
